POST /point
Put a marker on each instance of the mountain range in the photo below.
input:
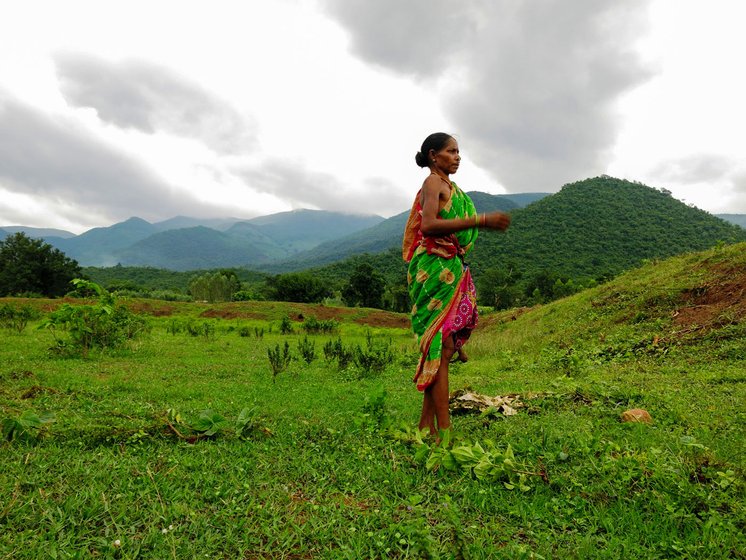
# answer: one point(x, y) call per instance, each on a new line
point(607, 223)
point(282, 241)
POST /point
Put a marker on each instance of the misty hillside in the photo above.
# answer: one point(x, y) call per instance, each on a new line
point(738, 219)
point(168, 244)
point(102, 245)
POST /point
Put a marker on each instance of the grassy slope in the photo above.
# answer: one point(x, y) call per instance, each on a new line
point(668, 337)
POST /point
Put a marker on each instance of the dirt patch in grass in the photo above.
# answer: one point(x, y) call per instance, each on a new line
point(384, 319)
point(232, 314)
point(722, 300)
point(151, 308)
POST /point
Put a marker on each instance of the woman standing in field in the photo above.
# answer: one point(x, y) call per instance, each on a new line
point(440, 232)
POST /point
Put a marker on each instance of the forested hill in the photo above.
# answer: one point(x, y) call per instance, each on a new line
point(601, 226)
point(591, 229)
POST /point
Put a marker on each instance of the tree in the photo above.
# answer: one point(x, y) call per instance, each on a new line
point(300, 287)
point(365, 287)
point(218, 286)
point(33, 266)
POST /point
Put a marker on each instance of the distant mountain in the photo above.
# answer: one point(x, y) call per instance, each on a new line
point(738, 219)
point(237, 243)
point(303, 229)
point(181, 222)
point(524, 199)
point(34, 233)
point(101, 246)
point(377, 239)
point(191, 249)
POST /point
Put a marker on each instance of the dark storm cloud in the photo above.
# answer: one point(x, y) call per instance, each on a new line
point(150, 98)
point(292, 182)
point(534, 83)
point(54, 160)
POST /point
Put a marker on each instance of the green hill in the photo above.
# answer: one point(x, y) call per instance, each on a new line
point(600, 227)
point(592, 229)
point(191, 249)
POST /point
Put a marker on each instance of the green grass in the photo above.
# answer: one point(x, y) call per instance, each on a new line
point(318, 477)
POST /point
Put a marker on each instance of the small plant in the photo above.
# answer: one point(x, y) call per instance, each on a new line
point(16, 318)
point(374, 358)
point(335, 351)
point(27, 427)
point(373, 414)
point(307, 349)
point(174, 327)
point(258, 333)
point(209, 423)
point(279, 360)
point(102, 325)
point(485, 462)
point(286, 325)
point(244, 331)
point(313, 326)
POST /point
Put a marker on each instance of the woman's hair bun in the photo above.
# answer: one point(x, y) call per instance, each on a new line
point(434, 142)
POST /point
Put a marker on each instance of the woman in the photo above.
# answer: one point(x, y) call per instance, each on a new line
point(440, 232)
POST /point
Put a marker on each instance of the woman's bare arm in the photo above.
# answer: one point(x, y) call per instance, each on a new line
point(433, 190)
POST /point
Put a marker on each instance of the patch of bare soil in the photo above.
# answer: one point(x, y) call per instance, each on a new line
point(224, 313)
point(151, 308)
point(721, 301)
point(384, 319)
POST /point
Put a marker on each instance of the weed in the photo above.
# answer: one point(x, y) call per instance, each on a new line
point(334, 350)
point(286, 325)
point(16, 317)
point(313, 326)
point(279, 360)
point(307, 350)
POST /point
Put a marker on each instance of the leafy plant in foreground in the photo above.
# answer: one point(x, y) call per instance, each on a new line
point(101, 325)
point(483, 461)
point(27, 427)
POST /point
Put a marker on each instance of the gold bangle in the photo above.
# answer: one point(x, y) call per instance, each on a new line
point(476, 220)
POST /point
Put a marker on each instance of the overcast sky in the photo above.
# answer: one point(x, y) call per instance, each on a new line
point(243, 108)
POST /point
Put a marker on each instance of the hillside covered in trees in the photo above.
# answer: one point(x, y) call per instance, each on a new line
point(589, 231)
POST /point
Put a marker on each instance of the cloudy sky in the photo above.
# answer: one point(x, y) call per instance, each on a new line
point(243, 108)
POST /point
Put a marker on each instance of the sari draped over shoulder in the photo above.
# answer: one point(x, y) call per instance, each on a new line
point(440, 285)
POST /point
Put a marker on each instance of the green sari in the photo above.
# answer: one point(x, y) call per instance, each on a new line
point(440, 285)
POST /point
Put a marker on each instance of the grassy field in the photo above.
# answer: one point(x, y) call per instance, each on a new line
point(318, 462)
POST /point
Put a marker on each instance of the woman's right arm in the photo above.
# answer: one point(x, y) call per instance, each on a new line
point(432, 191)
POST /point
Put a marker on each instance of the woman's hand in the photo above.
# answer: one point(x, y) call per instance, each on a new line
point(495, 220)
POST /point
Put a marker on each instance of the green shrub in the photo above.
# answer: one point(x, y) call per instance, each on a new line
point(307, 349)
point(279, 360)
point(313, 326)
point(16, 318)
point(98, 326)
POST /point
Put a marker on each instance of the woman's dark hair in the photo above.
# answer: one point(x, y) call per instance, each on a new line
point(435, 141)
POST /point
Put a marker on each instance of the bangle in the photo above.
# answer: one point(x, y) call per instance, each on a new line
point(476, 220)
